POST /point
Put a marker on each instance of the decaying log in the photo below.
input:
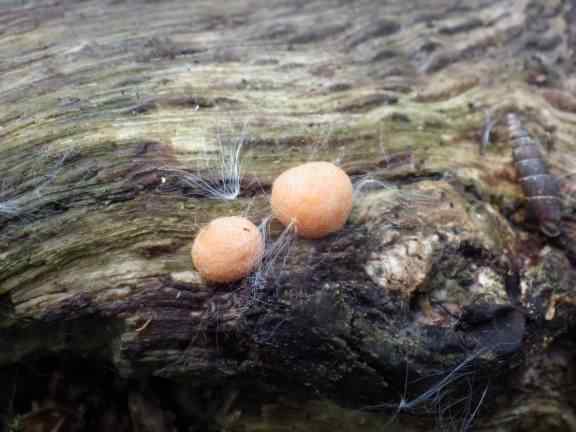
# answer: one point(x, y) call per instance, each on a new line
point(438, 305)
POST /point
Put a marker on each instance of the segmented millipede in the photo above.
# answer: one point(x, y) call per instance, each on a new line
point(541, 189)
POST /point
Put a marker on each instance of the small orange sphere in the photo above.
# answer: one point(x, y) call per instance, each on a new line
point(227, 249)
point(315, 196)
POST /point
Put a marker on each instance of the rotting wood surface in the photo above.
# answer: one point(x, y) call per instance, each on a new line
point(437, 276)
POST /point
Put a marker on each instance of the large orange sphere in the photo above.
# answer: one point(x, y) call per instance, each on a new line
point(315, 196)
point(227, 249)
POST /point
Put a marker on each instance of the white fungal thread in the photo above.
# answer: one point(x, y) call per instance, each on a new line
point(434, 393)
point(220, 179)
point(467, 424)
point(322, 140)
point(49, 178)
point(15, 206)
point(367, 182)
point(274, 256)
point(439, 397)
point(9, 209)
point(489, 123)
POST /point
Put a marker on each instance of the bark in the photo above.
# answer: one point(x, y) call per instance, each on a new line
point(440, 302)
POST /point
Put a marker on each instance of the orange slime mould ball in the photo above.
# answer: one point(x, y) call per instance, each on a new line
point(315, 196)
point(227, 249)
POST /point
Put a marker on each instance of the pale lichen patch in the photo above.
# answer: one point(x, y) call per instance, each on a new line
point(186, 277)
point(402, 268)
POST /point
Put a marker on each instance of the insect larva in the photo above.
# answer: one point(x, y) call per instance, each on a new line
point(541, 189)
